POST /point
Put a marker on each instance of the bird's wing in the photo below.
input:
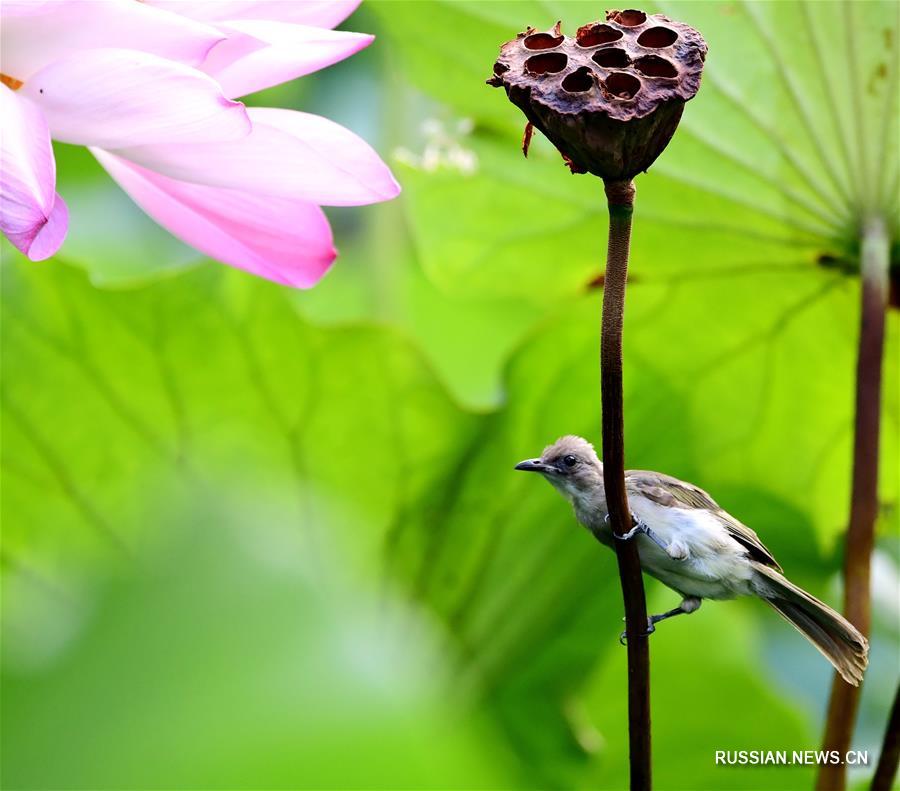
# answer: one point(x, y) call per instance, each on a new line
point(671, 492)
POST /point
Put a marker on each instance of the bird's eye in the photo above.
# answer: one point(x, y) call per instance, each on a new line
point(570, 461)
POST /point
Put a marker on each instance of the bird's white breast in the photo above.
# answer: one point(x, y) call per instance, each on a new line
point(707, 561)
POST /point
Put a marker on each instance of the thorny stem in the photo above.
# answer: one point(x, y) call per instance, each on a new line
point(860, 540)
point(620, 195)
point(886, 771)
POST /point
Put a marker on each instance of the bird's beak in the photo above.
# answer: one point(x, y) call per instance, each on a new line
point(533, 465)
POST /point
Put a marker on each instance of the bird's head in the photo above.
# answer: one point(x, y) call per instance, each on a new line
point(570, 464)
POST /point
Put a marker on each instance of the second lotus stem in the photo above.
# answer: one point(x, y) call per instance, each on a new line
point(844, 702)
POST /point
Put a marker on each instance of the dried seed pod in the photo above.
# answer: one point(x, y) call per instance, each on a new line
point(610, 98)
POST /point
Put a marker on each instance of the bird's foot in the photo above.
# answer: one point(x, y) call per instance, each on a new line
point(640, 527)
point(623, 638)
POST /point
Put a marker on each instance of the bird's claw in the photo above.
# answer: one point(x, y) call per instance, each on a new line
point(639, 527)
point(623, 638)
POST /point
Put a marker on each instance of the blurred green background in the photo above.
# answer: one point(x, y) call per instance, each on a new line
point(261, 538)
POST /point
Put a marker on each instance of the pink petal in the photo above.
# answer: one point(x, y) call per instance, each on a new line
point(119, 97)
point(260, 54)
point(284, 240)
point(319, 13)
point(21, 8)
point(32, 216)
point(288, 154)
point(51, 235)
point(33, 35)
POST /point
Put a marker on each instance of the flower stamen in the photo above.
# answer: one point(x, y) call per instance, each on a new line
point(10, 82)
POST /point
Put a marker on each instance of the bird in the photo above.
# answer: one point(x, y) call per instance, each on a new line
point(692, 545)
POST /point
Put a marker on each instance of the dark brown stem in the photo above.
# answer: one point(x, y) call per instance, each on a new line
point(620, 196)
point(886, 771)
point(860, 540)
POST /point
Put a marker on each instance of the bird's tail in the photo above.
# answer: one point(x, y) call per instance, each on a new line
point(838, 640)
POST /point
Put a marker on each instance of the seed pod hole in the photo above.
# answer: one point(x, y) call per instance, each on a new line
point(622, 85)
point(548, 63)
point(542, 41)
point(579, 81)
point(595, 35)
point(657, 37)
point(654, 66)
point(611, 58)
point(500, 68)
point(630, 18)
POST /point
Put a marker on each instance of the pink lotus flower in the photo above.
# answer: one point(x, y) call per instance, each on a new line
point(150, 87)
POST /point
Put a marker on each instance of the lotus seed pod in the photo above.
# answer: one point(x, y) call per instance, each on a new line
point(610, 98)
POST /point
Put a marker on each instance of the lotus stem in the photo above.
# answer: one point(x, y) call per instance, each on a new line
point(886, 771)
point(620, 196)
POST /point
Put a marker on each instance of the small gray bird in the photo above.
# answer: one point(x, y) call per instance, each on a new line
point(693, 546)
